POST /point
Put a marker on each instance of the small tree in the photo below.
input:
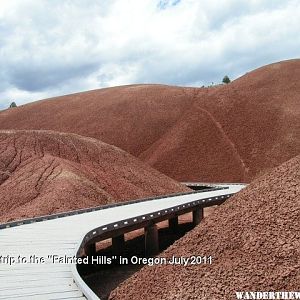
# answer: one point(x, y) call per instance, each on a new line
point(13, 104)
point(226, 79)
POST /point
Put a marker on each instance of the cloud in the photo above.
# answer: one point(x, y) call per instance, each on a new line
point(49, 48)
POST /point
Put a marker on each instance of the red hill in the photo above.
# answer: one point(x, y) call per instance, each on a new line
point(48, 172)
point(230, 132)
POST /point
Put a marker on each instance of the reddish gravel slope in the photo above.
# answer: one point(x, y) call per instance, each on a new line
point(254, 239)
point(196, 146)
point(129, 117)
point(44, 172)
point(260, 114)
point(183, 131)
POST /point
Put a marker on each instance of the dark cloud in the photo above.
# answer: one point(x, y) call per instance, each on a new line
point(31, 78)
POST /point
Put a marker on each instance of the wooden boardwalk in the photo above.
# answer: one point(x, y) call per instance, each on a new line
point(27, 270)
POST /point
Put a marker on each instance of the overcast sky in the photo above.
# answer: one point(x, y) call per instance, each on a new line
point(55, 47)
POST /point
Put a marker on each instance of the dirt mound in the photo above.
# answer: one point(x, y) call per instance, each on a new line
point(196, 146)
point(260, 114)
point(130, 117)
point(257, 117)
point(183, 131)
point(254, 239)
point(44, 172)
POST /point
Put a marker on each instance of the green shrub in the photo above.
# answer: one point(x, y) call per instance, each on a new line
point(13, 104)
point(226, 79)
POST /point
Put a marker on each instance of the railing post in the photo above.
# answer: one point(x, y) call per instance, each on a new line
point(118, 244)
point(173, 224)
point(197, 215)
point(151, 240)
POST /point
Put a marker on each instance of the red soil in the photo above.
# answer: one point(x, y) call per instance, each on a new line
point(129, 117)
point(196, 147)
point(44, 172)
point(260, 114)
point(254, 239)
point(230, 132)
